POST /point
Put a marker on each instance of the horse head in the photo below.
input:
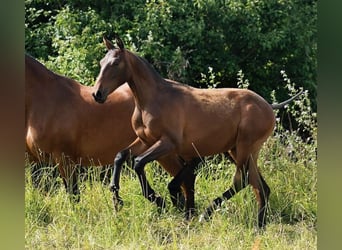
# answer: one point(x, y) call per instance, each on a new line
point(113, 71)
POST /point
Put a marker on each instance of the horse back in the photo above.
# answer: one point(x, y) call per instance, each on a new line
point(211, 120)
point(61, 118)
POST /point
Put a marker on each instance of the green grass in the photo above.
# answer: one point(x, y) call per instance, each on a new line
point(53, 222)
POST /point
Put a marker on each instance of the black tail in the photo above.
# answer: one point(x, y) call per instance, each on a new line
point(282, 104)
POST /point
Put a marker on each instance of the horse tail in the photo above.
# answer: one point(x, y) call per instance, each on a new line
point(282, 104)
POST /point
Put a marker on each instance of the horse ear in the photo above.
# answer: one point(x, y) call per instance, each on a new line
point(108, 43)
point(119, 42)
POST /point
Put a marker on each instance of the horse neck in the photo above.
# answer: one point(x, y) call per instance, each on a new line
point(42, 82)
point(145, 82)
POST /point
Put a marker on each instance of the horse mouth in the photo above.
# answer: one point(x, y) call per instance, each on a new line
point(98, 97)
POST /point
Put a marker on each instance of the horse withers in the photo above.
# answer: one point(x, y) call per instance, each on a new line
point(173, 118)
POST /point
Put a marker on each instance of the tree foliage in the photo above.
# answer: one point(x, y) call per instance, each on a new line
point(183, 39)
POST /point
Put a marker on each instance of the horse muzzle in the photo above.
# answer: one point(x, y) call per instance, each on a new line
point(99, 97)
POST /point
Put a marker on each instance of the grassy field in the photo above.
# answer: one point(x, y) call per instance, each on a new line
point(53, 222)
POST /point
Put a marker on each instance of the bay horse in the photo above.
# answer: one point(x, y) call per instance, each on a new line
point(172, 118)
point(64, 125)
point(61, 122)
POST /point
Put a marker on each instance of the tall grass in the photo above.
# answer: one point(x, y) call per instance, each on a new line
point(287, 162)
point(52, 221)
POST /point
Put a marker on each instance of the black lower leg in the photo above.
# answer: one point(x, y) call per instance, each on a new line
point(189, 183)
point(240, 182)
point(264, 197)
point(187, 177)
point(119, 160)
point(262, 217)
point(114, 186)
point(147, 191)
point(174, 187)
point(36, 174)
point(216, 204)
point(71, 186)
point(76, 192)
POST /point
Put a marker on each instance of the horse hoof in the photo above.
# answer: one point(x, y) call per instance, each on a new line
point(118, 204)
point(160, 202)
point(75, 198)
point(112, 188)
point(203, 218)
point(189, 214)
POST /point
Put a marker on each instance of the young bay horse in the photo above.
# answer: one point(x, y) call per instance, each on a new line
point(171, 118)
point(64, 125)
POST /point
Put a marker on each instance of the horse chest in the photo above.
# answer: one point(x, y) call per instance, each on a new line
point(143, 127)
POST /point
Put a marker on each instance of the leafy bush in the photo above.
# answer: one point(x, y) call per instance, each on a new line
point(182, 39)
point(76, 39)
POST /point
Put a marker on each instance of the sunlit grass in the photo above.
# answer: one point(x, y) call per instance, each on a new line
point(53, 222)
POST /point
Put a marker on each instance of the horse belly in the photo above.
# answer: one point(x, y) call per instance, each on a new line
point(206, 146)
point(46, 144)
point(36, 145)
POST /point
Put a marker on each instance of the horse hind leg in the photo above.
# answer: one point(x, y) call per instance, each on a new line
point(179, 182)
point(174, 187)
point(261, 191)
point(240, 181)
point(185, 180)
point(189, 190)
point(189, 187)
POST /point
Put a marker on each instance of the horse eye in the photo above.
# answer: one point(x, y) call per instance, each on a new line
point(115, 61)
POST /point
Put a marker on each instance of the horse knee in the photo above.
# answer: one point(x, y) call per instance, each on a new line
point(138, 166)
point(121, 157)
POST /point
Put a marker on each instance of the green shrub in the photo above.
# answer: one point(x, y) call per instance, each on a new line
point(182, 39)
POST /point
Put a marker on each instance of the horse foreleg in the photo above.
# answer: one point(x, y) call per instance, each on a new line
point(160, 148)
point(114, 186)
